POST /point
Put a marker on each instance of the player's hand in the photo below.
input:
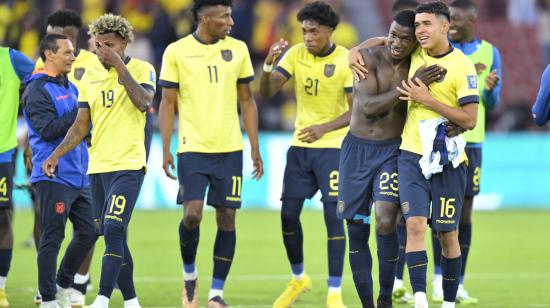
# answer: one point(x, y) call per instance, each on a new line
point(415, 91)
point(429, 74)
point(492, 80)
point(107, 56)
point(275, 51)
point(312, 133)
point(357, 64)
point(258, 164)
point(49, 166)
point(168, 164)
point(480, 67)
point(27, 155)
point(453, 129)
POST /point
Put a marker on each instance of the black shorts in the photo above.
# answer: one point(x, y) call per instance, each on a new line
point(309, 170)
point(368, 173)
point(221, 173)
point(114, 195)
point(474, 171)
point(444, 190)
point(6, 184)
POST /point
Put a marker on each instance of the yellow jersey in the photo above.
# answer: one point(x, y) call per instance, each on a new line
point(457, 87)
point(118, 136)
point(85, 63)
point(206, 76)
point(320, 85)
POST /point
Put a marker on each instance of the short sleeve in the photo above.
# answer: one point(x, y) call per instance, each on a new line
point(146, 76)
point(466, 86)
point(22, 64)
point(82, 96)
point(348, 80)
point(169, 76)
point(246, 73)
point(286, 65)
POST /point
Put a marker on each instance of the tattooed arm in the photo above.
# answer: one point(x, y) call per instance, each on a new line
point(140, 96)
point(74, 136)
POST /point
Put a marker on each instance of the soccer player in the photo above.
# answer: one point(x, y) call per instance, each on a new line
point(455, 97)
point(204, 74)
point(67, 22)
point(115, 103)
point(14, 67)
point(541, 111)
point(67, 196)
point(323, 84)
point(368, 165)
point(486, 59)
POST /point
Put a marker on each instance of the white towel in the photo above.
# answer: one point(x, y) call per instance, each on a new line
point(429, 163)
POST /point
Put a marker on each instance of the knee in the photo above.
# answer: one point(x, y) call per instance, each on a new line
point(225, 219)
point(5, 218)
point(289, 216)
point(113, 232)
point(466, 215)
point(385, 225)
point(192, 219)
point(87, 238)
point(416, 229)
point(447, 239)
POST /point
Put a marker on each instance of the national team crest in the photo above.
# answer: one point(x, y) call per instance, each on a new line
point(341, 206)
point(227, 55)
point(79, 73)
point(59, 208)
point(441, 77)
point(329, 69)
point(405, 208)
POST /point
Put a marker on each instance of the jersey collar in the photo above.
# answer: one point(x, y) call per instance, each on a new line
point(194, 34)
point(444, 54)
point(328, 52)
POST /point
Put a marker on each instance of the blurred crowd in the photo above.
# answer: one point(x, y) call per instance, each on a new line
point(519, 28)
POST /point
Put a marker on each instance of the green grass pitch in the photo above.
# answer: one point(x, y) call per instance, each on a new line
point(509, 264)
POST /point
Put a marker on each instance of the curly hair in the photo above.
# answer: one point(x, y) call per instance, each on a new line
point(64, 18)
point(437, 8)
point(110, 23)
point(320, 12)
point(199, 4)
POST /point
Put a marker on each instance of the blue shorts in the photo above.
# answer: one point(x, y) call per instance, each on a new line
point(368, 173)
point(309, 170)
point(6, 184)
point(222, 173)
point(114, 195)
point(474, 171)
point(445, 191)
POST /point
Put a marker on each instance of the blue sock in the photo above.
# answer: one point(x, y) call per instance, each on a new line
point(189, 241)
point(217, 284)
point(224, 250)
point(451, 275)
point(112, 259)
point(417, 262)
point(465, 239)
point(360, 261)
point(402, 236)
point(125, 279)
point(297, 269)
point(334, 281)
point(388, 253)
point(437, 253)
point(336, 240)
point(292, 230)
point(189, 268)
point(5, 261)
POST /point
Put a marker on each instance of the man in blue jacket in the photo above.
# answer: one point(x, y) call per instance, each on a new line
point(50, 107)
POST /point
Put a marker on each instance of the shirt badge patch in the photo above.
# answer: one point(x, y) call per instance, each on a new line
point(79, 73)
point(59, 208)
point(329, 70)
point(472, 81)
point(227, 55)
point(152, 76)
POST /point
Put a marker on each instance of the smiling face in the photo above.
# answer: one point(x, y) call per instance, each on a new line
point(462, 23)
point(218, 21)
point(316, 36)
point(431, 30)
point(61, 62)
point(401, 40)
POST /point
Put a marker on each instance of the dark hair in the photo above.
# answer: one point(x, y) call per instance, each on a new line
point(434, 7)
point(64, 18)
point(49, 42)
point(320, 12)
point(405, 18)
point(199, 4)
point(463, 4)
point(401, 5)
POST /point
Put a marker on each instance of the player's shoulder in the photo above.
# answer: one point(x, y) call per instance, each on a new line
point(87, 59)
point(139, 64)
point(180, 43)
point(234, 44)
